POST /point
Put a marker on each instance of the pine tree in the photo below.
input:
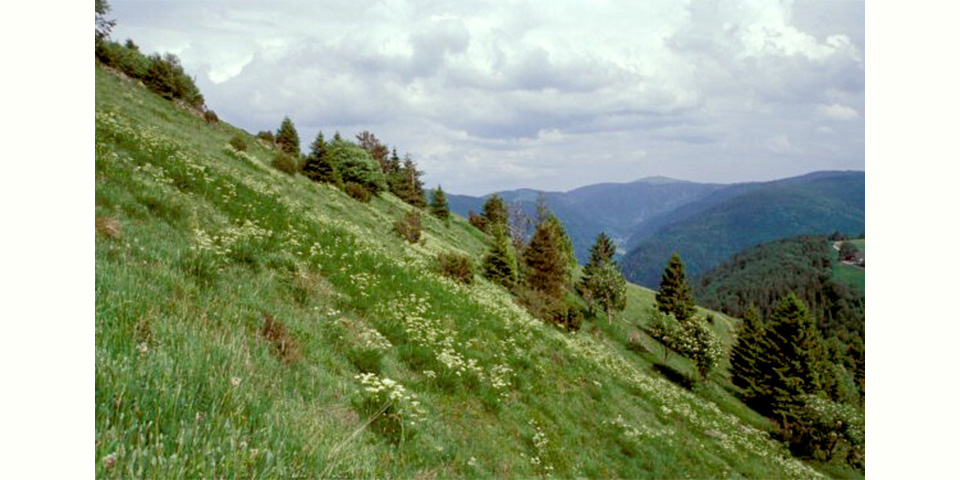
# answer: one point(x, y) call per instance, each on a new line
point(500, 264)
point(545, 261)
point(438, 204)
point(405, 182)
point(287, 138)
point(786, 360)
point(674, 295)
point(320, 166)
point(746, 353)
point(602, 251)
point(602, 281)
point(495, 211)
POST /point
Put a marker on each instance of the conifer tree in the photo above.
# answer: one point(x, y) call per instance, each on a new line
point(674, 295)
point(602, 281)
point(408, 186)
point(746, 353)
point(786, 360)
point(602, 251)
point(287, 138)
point(495, 211)
point(438, 204)
point(545, 261)
point(320, 165)
point(500, 263)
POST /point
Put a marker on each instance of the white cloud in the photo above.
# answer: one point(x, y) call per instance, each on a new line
point(551, 95)
point(837, 112)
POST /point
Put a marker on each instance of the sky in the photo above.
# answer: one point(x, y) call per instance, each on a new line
point(552, 95)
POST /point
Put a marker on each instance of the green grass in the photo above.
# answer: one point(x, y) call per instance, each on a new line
point(188, 383)
point(850, 275)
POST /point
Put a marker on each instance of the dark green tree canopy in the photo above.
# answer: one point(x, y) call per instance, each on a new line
point(546, 260)
point(287, 138)
point(495, 211)
point(320, 166)
point(602, 251)
point(438, 204)
point(674, 295)
point(500, 262)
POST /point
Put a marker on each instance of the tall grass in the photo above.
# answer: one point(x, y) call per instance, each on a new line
point(241, 312)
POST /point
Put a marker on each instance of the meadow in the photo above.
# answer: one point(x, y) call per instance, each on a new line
point(251, 323)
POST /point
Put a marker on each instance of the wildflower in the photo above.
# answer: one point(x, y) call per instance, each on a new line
point(235, 381)
point(109, 461)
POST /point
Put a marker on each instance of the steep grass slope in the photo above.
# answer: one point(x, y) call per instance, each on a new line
point(254, 324)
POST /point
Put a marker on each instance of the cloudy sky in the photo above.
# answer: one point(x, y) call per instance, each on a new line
point(495, 95)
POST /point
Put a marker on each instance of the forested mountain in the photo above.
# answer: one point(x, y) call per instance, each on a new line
point(707, 231)
point(615, 208)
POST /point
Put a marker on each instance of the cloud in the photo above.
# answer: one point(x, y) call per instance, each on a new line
point(837, 112)
point(495, 95)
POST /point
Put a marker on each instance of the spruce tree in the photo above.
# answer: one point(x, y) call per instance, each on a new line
point(438, 204)
point(320, 166)
point(746, 353)
point(602, 281)
point(495, 211)
point(546, 262)
point(602, 251)
point(406, 184)
point(287, 138)
point(786, 360)
point(500, 264)
point(674, 295)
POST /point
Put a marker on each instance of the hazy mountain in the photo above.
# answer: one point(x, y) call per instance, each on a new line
point(616, 208)
point(710, 229)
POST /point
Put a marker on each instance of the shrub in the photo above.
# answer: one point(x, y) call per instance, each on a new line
point(478, 221)
point(238, 143)
point(285, 163)
point(211, 117)
point(409, 227)
point(284, 345)
point(357, 192)
point(456, 266)
point(356, 165)
point(693, 339)
point(266, 136)
point(825, 430)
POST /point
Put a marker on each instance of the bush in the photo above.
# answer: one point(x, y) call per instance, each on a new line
point(357, 192)
point(238, 143)
point(266, 136)
point(285, 163)
point(409, 227)
point(211, 117)
point(693, 339)
point(818, 428)
point(477, 221)
point(356, 165)
point(456, 266)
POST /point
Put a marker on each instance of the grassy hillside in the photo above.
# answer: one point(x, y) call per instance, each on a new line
point(255, 324)
point(710, 230)
point(852, 275)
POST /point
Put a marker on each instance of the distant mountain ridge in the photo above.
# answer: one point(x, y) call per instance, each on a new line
point(709, 230)
point(615, 208)
point(652, 213)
